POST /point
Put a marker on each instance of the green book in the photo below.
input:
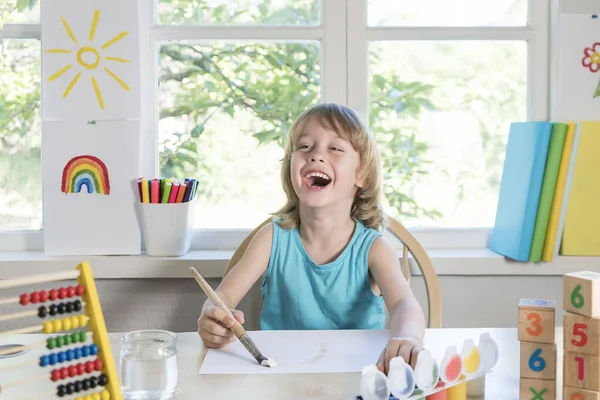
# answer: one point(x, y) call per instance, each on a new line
point(555, 150)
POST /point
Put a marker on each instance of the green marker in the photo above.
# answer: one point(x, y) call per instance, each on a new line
point(166, 191)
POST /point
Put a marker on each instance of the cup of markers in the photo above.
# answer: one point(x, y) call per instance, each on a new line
point(167, 208)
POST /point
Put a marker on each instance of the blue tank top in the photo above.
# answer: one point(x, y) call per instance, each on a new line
point(300, 294)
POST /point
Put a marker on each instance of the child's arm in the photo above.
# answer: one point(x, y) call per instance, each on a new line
point(213, 324)
point(407, 321)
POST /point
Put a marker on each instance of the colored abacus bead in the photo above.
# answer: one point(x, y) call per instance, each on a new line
point(62, 356)
point(93, 349)
point(62, 293)
point(34, 297)
point(61, 390)
point(80, 369)
point(53, 294)
point(77, 305)
point(51, 343)
point(24, 299)
point(72, 371)
point(55, 375)
point(61, 308)
point(105, 395)
point(77, 386)
point(79, 290)
point(42, 312)
point(68, 339)
point(85, 384)
point(69, 307)
point(70, 291)
point(57, 324)
point(60, 341)
point(93, 382)
point(103, 380)
point(43, 296)
point(48, 327)
point(70, 355)
point(82, 336)
point(67, 325)
point(64, 373)
point(77, 353)
point(53, 359)
point(89, 367)
point(53, 309)
point(85, 351)
point(44, 361)
point(70, 388)
point(98, 364)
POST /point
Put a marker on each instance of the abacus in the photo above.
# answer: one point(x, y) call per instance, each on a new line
point(90, 361)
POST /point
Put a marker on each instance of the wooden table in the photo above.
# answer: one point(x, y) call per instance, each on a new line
point(501, 384)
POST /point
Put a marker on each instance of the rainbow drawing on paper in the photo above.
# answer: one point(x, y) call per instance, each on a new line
point(92, 53)
point(85, 171)
point(591, 61)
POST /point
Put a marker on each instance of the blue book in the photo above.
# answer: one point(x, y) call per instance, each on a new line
point(518, 200)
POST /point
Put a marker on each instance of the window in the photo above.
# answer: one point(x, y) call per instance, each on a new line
point(438, 82)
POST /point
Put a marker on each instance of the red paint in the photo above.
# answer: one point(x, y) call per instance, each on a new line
point(580, 368)
point(441, 395)
point(453, 368)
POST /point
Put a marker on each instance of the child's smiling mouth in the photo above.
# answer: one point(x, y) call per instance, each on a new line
point(316, 179)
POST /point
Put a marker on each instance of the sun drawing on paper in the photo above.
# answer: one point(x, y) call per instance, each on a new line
point(89, 57)
point(85, 173)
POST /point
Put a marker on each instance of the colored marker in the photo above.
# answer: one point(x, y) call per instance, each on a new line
point(155, 190)
point(166, 191)
point(174, 190)
point(145, 191)
point(181, 193)
point(139, 183)
point(188, 191)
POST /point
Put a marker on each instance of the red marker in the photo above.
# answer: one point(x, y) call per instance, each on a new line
point(174, 190)
point(154, 194)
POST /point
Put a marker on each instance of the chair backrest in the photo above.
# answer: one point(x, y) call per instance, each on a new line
point(410, 245)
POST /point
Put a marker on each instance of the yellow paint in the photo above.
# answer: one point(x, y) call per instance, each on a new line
point(97, 172)
point(72, 84)
point(98, 94)
point(59, 73)
point(64, 51)
point(98, 326)
point(116, 78)
point(88, 49)
point(471, 362)
point(457, 392)
point(123, 60)
point(114, 40)
point(69, 32)
point(94, 25)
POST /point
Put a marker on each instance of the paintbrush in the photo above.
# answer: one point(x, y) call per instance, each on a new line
point(237, 328)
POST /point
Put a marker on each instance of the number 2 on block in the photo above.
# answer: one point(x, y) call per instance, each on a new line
point(576, 396)
point(537, 363)
point(576, 297)
point(536, 328)
point(579, 331)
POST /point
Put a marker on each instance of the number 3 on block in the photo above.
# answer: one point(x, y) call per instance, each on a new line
point(535, 329)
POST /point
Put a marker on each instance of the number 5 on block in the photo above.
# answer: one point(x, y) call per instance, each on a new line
point(581, 333)
point(536, 320)
point(538, 360)
point(581, 292)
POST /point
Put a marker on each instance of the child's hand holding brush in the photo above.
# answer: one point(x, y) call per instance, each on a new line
point(214, 326)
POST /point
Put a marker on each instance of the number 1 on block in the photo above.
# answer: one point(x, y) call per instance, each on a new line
point(582, 371)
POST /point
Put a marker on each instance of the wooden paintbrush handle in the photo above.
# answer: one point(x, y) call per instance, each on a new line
point(237, 328)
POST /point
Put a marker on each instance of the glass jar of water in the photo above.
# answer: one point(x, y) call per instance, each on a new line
point(148, 367)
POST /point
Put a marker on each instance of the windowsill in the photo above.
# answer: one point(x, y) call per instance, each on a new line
point(211, 264)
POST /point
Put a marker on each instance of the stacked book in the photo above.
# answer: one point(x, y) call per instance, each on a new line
point(549, 199)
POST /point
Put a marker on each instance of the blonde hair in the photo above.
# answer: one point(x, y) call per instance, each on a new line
point(345, 122)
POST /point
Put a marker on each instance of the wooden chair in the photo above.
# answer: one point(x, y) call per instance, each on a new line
point(410, 244)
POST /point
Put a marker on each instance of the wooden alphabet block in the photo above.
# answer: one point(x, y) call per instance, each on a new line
point(570, 393)
point(581, 293)
point(536, 320)
point(581, 334)
point(581, 370)
point(538, 360)
point(537, 389)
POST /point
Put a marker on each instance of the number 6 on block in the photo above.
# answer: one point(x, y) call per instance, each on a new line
point(538, 360)
point(581, 292)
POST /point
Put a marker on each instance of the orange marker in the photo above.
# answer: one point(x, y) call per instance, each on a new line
point(181, 193)
point(154, 198)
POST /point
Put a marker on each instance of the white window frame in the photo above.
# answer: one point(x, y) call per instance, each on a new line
point(344, 76)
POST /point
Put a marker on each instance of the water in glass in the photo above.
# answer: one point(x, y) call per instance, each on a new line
point(148, 368)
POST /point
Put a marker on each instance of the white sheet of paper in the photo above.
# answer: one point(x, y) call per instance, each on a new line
point(88, 37)
point(299, 352)
point(576, 83)
point(91, 223)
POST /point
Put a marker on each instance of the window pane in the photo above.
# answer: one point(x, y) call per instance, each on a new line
point(25, 13)
point(441, 112)
point(250, 12)
point(224, 111)
point(20, 136)
point(448, 13)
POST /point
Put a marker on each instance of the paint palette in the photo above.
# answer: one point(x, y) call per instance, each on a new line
point(430, 377)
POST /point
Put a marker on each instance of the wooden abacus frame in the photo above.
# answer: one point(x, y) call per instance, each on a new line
point(91, 315)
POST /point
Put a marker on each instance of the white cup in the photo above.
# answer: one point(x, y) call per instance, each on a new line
point(167, 227)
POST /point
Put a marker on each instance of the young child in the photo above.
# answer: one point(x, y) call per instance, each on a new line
point(327, 265)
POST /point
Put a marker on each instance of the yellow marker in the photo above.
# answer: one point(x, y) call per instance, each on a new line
point(98, 326)
point(145, 194)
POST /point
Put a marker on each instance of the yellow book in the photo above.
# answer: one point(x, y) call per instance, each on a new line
point(582, 220)
point(555, 211)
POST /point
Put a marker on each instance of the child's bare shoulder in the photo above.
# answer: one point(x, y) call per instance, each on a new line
point(382, 252)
